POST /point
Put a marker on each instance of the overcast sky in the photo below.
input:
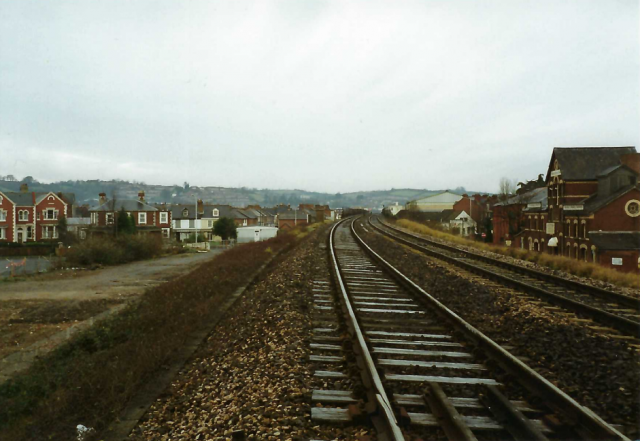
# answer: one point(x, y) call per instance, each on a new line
point(318, 95)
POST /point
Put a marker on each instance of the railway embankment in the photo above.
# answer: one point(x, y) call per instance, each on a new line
point(252, 378)
point(598, 371)
point(89, 379)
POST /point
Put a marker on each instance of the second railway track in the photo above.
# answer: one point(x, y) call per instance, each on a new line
point(608, 308)
point(427, 371)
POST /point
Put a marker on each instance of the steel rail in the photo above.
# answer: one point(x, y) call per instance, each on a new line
point(622, 324)
point(595, 291)
point(381, 412)
point(583, 420)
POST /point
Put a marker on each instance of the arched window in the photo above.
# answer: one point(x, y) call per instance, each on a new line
point(216, 212)
point(576, 253)
point(185, 212)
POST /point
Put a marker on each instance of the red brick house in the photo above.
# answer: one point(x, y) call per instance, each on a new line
point(590, 208)
point(147, 219)
point(291, 219)
point(29, 216)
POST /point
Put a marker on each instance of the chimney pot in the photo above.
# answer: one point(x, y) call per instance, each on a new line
point(102, 198)
point(141, 196)
point(24, 188)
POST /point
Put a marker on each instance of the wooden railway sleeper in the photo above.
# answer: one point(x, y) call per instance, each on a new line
point(450, 420)
point(518, 425)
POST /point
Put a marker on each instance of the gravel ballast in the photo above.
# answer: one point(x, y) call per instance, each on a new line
point(252, 374)
point(599, 372)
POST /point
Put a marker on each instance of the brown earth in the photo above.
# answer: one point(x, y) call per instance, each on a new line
point(43, 305)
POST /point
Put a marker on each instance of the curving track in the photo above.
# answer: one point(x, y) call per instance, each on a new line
point(620, 312)
point(426, 371)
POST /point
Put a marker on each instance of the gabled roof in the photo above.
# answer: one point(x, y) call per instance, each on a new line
point(443, 196)
point(586, 163)
point(42, 196)
point(127, 204)
point(537, 195)
point(596, 201)
point(615, 240)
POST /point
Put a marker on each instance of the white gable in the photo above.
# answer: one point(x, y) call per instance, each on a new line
point(463, 215)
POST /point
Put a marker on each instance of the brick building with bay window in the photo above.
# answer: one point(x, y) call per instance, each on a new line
point(32, 216)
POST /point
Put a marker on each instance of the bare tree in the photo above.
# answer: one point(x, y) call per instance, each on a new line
point(506, 188)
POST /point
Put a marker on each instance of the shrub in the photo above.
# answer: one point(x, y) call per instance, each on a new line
point(114, 251)
point(91, 377)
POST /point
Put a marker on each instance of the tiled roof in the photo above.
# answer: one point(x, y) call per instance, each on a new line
point(536, 195)
point(127, 204)
point(586, 163)
point(615, 240)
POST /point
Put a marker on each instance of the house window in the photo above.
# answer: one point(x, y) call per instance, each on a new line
point(109, 217)
point(166, 233)
point(94, 218)
point(23, 215)
point(210, 223)
point(3, 215)
point(49, 232)
point(185, 212)
point(51, 214)
point(216, 212)
point(164, 217)
point(244, 222)
point(29, 233)
point(142, 218)
point(3, 233)
point(83, 234)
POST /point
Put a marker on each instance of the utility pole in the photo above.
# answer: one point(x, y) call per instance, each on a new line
point(195, 221)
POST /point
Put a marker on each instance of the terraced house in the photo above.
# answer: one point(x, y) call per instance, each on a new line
point(147, 219)
point(32, 216)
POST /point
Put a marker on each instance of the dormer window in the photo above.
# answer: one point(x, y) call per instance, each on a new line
point(185, 212)
point(216, 212)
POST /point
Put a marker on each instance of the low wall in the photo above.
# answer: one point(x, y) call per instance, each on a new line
point(26, 251)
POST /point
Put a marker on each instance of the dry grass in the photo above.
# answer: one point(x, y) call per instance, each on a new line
point(571, 266)
point(89, 379)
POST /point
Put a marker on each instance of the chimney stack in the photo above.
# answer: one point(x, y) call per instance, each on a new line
point(24, 188)
point(102, 198)
point(141, 195)
point(631, 160)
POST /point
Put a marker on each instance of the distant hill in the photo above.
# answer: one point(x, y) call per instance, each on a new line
point(87, 193)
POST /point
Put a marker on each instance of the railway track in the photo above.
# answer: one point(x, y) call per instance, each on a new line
point(617, 311)
point(424, 370)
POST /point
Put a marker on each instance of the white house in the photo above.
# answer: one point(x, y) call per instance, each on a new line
point(461, 220)
point(395, 209)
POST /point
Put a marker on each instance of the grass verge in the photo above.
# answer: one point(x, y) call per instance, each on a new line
point(571, 266)
point(89, 379)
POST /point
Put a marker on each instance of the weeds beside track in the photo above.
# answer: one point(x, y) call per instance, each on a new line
point(89, 379)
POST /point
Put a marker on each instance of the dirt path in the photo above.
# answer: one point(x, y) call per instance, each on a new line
point(118, 282)
point(36, 315)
